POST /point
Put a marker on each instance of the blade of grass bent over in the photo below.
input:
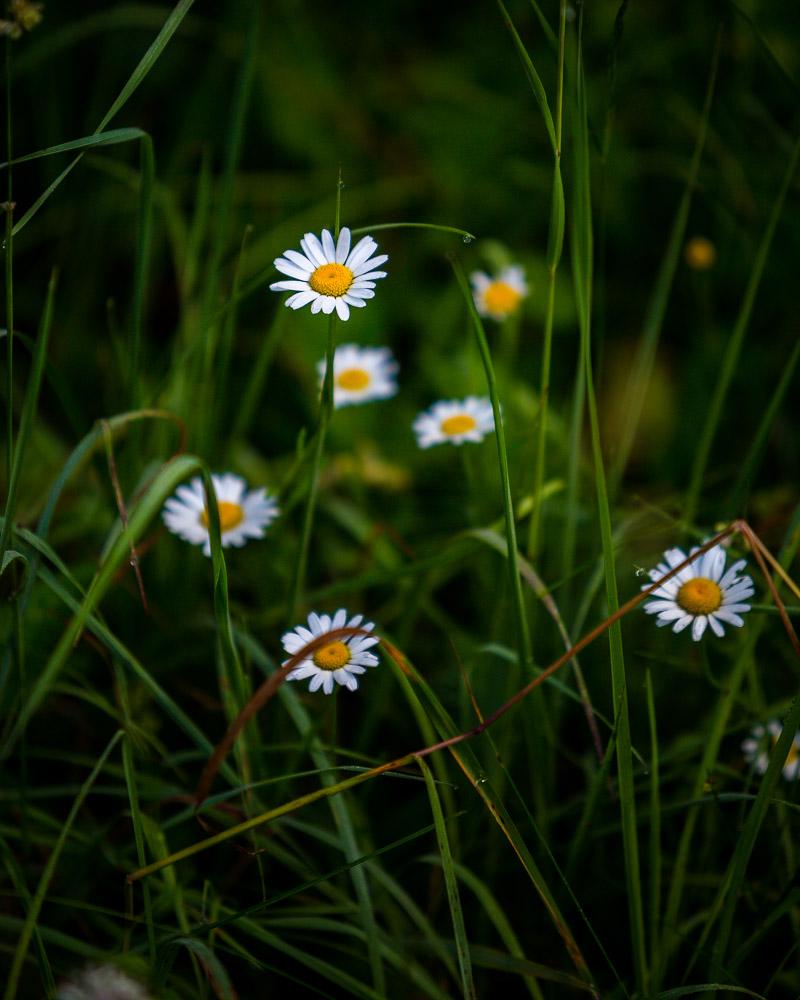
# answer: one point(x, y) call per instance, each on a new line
point(144, 66)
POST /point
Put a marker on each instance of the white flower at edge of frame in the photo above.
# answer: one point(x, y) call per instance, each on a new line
point(242, 514)
point(330, 276)
point(341, 661)
point(101, 982)
point(361, 374)
point(701, 594)
point(500, 296)
point(757, 749)
point(455, 421)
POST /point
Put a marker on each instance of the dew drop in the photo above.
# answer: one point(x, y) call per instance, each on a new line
point(467, 239)
point(641, 571)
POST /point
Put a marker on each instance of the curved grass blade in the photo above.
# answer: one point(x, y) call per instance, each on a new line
point(49, 869)
point(451, 884)
point(467, 237)
point(146, 63)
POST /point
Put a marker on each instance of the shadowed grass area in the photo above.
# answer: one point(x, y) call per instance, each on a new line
point(534, 792)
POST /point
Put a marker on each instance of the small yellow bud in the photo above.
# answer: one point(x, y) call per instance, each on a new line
point(700, 253)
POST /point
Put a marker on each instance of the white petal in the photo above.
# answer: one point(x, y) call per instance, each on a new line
point(327, 682)
point(716, 625)
point(328, 246)
point(289, 286)
point(286, 267)
point(300, 261)
point(339, 619)
point(681, 623)
point(699, 627)
point(313, 249)
point(343, 245)
point(342, 309)
point(317, 680)
point(360, 252)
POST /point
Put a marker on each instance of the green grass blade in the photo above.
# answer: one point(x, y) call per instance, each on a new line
point(734, 345)
point(143, 249)
point(113, 137)
point(17, 878)
point(49, 869)
point(655, 835)
point(146, 63)
point(642, 366)
point(582, 275)
point(28, 412)
point(451, 884)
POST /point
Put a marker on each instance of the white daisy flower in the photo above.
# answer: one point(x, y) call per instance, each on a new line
point(701, 594)
point(500, 296)
point(340, 661)
point(242, 514)
point(102, 982)
point(454, 420)
point(330, 276)
point(361, 374)
point(762, 740)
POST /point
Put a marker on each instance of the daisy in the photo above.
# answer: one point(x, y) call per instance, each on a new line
point(242, 514)
point(330, 276)
point(500, 296)
point(701, 594)
point(340, 661)
point(361, 374)
point(757, 749)
point(103, 982)
point(454, 420)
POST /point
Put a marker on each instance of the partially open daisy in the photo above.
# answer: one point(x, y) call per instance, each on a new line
point(330, 276)
point(338, 662)
point(361, 374)
point(760, 744)
point(701, 594)
point(454, 420)
point(500, 296)
point(243, 514)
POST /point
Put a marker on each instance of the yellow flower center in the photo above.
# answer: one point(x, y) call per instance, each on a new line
point(353, 379)
point(331, 279)
point(459, 424)
point(794, 751)
point(230, 514)
point(699, 596)
point(501, 299)
point(332, 656)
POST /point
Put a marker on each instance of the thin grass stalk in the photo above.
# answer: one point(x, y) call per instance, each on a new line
point(655, 837)
point(129, 768)
point(734, 345)
point(523, 634)
point(9, 275)
point(642, 367)
point(325, 412)
point(28, 412)
point(49, 869)
point(554, 248)
point(451, 885)
point(583, 270)
point(147, 165)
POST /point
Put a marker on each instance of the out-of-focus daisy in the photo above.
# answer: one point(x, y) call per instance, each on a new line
point(701, 594)
point(758, 746)
point(102, 982)
point(454, 420)
point(700, 253)
point(500, 296)
point(243, 514)
point(330, 276)
point(341, 660)
point(361, 374)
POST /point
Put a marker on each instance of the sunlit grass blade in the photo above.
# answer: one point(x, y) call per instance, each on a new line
point(451, 884)
point(734, 345)
point(49, 869)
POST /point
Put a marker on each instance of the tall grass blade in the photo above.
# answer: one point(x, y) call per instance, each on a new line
point(451, 884)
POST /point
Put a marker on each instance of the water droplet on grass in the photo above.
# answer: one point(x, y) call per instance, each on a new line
point(467, 239)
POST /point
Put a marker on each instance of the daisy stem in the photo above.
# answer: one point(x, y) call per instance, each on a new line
point(523, 634)
point(555, 244)
point(325, 410)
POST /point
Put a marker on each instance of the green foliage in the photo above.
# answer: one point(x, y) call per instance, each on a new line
point(432, 834)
